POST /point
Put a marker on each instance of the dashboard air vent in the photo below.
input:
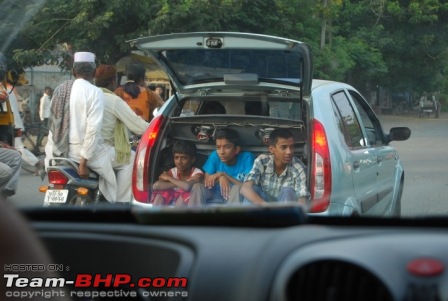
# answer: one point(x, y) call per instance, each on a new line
point(332, 280)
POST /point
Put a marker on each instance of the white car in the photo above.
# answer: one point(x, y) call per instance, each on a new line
point(254, 83)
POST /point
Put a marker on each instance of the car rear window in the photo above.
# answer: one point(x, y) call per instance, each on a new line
point(203, 65)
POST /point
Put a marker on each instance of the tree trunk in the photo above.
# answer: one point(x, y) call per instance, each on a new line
point(323, 32)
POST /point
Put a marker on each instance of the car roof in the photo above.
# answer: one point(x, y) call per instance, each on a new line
point(319, 83)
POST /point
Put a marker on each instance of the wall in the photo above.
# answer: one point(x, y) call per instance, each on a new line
point(38, 78)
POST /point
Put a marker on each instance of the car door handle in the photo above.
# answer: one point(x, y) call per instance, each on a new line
point(355, 164)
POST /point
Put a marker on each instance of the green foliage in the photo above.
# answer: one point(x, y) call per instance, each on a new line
point(62, 27)
point(397, 44)
point(417, 56)
point(334, 63)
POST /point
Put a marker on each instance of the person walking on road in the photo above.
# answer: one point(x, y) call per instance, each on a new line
point(44, 113)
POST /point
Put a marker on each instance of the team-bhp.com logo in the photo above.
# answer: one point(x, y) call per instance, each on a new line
point(96, 281)
point(96, 285)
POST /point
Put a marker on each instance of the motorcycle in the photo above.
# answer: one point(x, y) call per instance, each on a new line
point(67, 187)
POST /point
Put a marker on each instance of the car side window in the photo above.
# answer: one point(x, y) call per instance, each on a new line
point(351, 127)
point(368, 118)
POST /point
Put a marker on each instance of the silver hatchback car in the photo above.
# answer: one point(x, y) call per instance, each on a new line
point(255, 83)
point(356, 168)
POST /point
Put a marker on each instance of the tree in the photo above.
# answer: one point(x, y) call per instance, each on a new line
point(404, 42)
point(12, 21)
point(419, 31)
point(393, 43)
point(214, 15)
point(61, 27)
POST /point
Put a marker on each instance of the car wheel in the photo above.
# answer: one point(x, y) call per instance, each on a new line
point(397, 207)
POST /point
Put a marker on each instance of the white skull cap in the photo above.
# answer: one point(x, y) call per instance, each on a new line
point(84, 57)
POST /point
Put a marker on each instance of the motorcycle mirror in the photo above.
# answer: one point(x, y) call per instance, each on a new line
point(12, 76)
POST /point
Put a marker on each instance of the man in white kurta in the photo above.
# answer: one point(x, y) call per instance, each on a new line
point(86, 145)
point(44, 104)
point(116, 111)
point(44, 113)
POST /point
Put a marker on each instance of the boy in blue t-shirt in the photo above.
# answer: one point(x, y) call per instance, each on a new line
point(225, 170)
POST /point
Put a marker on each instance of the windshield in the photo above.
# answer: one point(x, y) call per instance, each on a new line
point(212, 125)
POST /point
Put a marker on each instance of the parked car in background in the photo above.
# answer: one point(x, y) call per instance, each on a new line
point(255, 83)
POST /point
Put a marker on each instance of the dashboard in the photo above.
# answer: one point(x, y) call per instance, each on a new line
point(243, 254)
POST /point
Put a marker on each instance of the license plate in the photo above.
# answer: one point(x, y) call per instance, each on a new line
point(56, 196)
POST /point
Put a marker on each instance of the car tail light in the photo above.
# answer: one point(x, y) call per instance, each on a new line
point(140, 176)
point(57, 178)
point(320, 187)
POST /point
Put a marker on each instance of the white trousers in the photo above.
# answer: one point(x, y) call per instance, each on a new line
point(27, 156)
point(123, 173)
